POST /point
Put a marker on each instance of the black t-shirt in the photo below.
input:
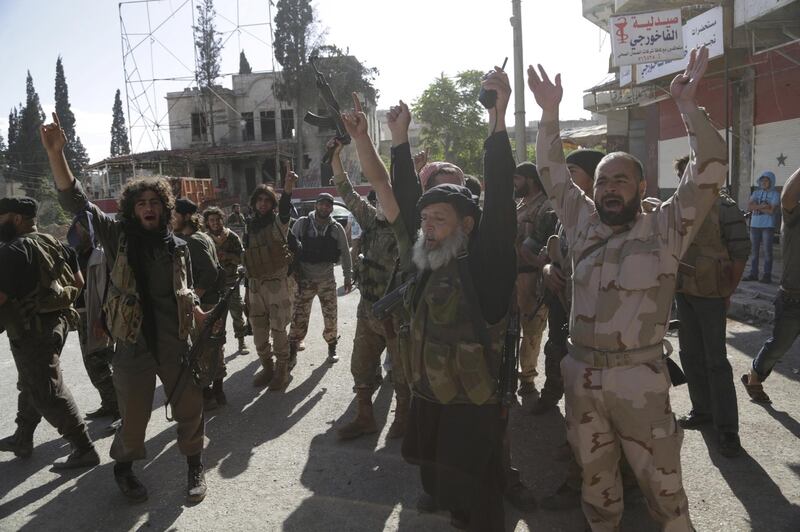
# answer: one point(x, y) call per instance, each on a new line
point(19, 267)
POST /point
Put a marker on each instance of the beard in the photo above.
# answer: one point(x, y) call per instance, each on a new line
point(433, 259)
point(523, 191)
point(626, 215)
point(8, 231)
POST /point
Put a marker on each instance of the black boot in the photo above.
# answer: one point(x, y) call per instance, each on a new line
point(292, 355)
point(332, 357)
point(208, 399)
point(196, 486)
point(20, 443)
point(83, 453)
point(219, 394)
point(128, 484)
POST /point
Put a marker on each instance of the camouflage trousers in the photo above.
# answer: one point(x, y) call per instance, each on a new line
point(98, 367)
point(372, 337)
point(625, 409)
point(532, 332)
point(306, 291)
point(42, 391)
point(236, 310)
point(270, 302)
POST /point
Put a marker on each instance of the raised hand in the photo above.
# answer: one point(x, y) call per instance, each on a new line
point(355, 121)
point(545, 92)
point(399, 119)
point(684, 87)
point(497, 80)
point(336, 155)
point(420, 160)
point(53, 137)
point(290, 180)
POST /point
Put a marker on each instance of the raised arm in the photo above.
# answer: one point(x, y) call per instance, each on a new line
point(682, 214)
point(285, 203)
point(362, 210)
point(356, 124)
point(405, 181)
point(567, 200)
point(70, 193)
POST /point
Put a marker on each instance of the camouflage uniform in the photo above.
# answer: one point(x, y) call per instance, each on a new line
point(229, 251)
point(269, 292)
point(616, 380)
point(316, 279)
point(535, 224)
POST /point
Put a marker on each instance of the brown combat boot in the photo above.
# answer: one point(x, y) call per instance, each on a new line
point(364, 423)
point(403, 397)
point(280, 380)
point(264, 376)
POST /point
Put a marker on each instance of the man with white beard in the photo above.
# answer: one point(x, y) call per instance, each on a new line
point(465, 264)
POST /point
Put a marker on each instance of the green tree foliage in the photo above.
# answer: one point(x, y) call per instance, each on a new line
point(454, 126)
point(11, 156)
point(209, 46)
point(119, 133)
point(74, 151)
point(31, 159)
point(244, 64)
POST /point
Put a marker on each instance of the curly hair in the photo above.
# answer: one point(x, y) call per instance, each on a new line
point(213, 211)
point(135, 188)
point(266, 191)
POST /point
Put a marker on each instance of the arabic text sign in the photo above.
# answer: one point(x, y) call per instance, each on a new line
point(646, 37)
point(706, 28)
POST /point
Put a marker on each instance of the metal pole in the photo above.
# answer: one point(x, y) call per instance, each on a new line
point(519, 84)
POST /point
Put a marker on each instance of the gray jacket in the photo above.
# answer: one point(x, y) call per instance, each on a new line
point(323, 271)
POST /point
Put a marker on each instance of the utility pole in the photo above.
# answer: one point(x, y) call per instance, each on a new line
point(519, 84)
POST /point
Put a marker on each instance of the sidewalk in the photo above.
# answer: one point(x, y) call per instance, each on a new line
point(753, 301)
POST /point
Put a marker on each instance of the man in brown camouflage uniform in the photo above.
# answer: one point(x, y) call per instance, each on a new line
point(625, 264)
point(266, 259)
point(535, 224)
point(379, 251)
point(229, 251)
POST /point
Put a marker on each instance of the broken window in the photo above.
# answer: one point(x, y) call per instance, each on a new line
point(287, 123)
point(199, 129)
point(267, 125)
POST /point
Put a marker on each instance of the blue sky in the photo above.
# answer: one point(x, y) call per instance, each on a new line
point(410, 42)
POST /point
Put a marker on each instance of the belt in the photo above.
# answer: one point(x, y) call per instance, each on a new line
point(615, 359)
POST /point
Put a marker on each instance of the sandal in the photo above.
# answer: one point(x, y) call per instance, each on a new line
point(756, 392)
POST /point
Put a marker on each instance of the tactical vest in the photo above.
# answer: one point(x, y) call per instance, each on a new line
point(228, 246)
point(319, 248)
point(267, 255)
point(55, 289)
point(379, 247)
point(123, 306)
point(447, 362)
point(709, 264)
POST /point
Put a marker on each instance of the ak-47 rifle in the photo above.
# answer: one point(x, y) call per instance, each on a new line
point(384, 307)
point(508, 365)
point(333, 119)
point(208, 341)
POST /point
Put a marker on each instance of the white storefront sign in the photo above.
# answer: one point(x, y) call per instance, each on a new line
point(745, 11)
point(646, 37)
point(704, 29)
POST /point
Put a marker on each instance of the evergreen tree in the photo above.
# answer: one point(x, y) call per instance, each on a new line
point(293, 22)
point(31, 157)
point(119, 134)
point(74, 150)
point(11, 158)
point(244, 64)
point(209, 46)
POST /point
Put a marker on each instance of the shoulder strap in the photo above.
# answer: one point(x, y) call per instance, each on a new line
point(473, 303)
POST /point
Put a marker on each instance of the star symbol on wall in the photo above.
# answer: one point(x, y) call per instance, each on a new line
point(781, 159)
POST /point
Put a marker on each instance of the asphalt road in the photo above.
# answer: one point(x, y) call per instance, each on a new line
point(274, 462)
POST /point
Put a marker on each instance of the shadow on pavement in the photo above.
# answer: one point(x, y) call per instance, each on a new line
point(750, 342)
point(761, 497)
point(368, 484)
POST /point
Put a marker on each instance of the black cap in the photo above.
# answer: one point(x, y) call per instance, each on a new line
point(586, 160)
point(19, 205)
point(325, 197)
point(458, 196)
point(527, 169)
point(185, 206)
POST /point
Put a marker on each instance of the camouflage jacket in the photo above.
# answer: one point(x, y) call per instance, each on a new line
point(229, 252)
point(623, 283)
point(378, 243)
point(535, 223)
